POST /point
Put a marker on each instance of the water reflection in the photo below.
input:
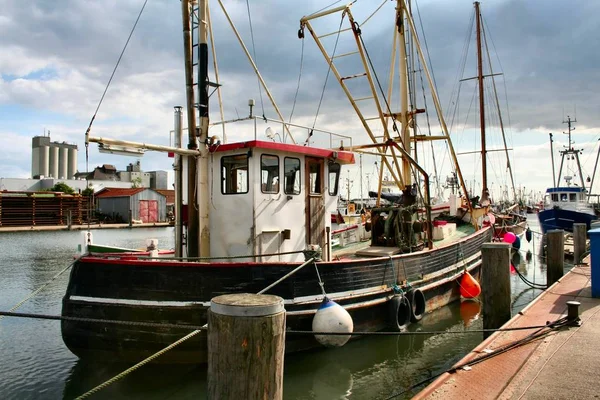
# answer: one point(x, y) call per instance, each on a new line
point(469, 311)
point(152, 381)
point(378, 366)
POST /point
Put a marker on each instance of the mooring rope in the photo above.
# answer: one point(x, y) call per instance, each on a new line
point(100, 320)
point(292, 332)
point(138, 365)
point(19, 304)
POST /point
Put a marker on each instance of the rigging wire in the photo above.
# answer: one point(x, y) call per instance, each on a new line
point(326, 7)
point(299, 78)
point(113, 72)
point(327, 76)
point(255, 59)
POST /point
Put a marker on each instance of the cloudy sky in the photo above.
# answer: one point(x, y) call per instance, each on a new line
point(57, 56)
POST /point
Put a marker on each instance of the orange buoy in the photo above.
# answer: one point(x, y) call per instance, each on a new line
point(469, 287)
point(469, 311)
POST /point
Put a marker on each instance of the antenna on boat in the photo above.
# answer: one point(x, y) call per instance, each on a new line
point(570, 150)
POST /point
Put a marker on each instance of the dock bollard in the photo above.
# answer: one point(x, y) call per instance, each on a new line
point(573, 310)
point(579, 239)
point(555, 252)
point(246, 342)
point(495, 284)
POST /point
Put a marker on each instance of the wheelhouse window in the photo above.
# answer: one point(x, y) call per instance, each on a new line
point(334, 178)
point(269, 173)
point(314, 170)
point(554, 197)
point(234, 174)
point(573, 197)
point(291, 168)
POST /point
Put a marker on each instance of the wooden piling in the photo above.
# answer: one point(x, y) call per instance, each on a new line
point(555, 255)
point(579, 241)
point(246, 342)
point(495, 284)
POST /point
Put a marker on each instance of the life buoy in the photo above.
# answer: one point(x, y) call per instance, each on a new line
point(399, 313)
point(417, 304)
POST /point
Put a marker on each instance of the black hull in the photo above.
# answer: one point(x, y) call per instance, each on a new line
point(180, 293)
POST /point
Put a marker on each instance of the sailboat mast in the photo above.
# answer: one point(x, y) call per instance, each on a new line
point(203, 189)
point(481, 104)
point(192, 225)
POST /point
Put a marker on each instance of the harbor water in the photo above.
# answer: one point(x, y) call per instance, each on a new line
point(37, 365)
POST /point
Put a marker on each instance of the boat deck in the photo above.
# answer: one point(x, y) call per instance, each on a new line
point(364, 249)
point(560, 366)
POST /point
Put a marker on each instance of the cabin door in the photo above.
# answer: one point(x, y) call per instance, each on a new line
point(315, 202)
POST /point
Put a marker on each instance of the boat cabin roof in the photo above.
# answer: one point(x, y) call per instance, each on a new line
point(340, 156)
point(572, 189)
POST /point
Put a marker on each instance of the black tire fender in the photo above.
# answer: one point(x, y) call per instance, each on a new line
point(418, 304)
point(400, 313)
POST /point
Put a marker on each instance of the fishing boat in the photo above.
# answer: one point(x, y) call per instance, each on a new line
point(506, 219)
point(566, 205)
point(259, 222)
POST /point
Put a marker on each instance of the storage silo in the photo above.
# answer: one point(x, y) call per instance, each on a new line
point(44, 152)
point(63, 157)
point(39, 156)
point(35, 162)
point(72, 166)
point(53, 164)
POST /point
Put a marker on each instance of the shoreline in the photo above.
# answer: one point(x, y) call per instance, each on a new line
point(46, 228)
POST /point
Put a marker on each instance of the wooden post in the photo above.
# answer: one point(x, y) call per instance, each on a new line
point(555, 255)
point(495, 284)
point(579, 241)
point(130, 215)
point(246, 342)
point(69, 219)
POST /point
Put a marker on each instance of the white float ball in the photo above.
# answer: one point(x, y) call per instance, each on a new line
point(331, 317)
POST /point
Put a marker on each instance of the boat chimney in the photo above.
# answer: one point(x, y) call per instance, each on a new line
point(250, 104)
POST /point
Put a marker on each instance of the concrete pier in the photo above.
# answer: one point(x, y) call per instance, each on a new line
point(562, 365)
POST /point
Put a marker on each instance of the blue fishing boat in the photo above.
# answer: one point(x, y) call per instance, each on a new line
point(566, 205)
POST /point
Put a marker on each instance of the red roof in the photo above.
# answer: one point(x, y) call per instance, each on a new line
point(341, 156)
point(168, 193)
point(119, 192)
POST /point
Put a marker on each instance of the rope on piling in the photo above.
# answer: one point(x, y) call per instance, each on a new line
point(19, 304)
point(138, 365)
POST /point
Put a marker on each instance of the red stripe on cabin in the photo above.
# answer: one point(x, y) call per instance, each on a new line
point(341, 156)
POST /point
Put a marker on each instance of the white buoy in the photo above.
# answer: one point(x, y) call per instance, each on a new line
point(331, 317)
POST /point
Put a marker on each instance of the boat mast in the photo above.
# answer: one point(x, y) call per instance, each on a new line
point(595, 166)
point(403, 69)
point(484, 185)
point(203, 164)
point(552, 158)
point(572, 151)
point(192, 225)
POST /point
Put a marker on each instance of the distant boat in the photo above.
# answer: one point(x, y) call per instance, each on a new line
point(506, 220)
point(566, 205)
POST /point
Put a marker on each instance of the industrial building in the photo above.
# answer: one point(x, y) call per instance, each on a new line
point(125, 205)
point(52, 159)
